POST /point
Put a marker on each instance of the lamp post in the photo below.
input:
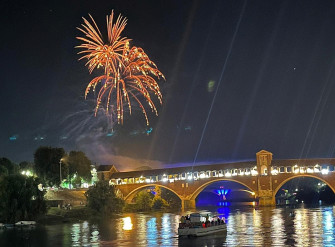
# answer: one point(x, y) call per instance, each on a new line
point(60, 172)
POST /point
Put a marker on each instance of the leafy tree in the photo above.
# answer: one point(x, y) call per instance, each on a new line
point(47, 164)
point(143, 201)
point(171, 198)
point(102, 198)
point(25, 165)
point(159, 203)
point(20, 198)
point(79, 164)
point(7, 167)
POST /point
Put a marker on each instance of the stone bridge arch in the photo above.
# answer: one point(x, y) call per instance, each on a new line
point(330, 183)
point(194, 195)
point(129, 196)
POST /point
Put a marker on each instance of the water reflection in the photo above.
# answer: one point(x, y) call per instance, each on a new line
point(127, 225)
point(245, 227)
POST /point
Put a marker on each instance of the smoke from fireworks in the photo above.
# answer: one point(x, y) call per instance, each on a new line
point(128, 72)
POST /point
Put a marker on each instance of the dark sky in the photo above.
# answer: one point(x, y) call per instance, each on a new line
point(272, 64)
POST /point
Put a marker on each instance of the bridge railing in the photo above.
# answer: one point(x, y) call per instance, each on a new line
point(223, 173)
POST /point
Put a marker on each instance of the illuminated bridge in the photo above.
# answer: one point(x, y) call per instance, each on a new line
point(263, 177)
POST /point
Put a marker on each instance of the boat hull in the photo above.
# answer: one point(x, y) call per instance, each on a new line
point(197, 232)
point(25, 223)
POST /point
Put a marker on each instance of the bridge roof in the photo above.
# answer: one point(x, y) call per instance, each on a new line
point(177, 170)
point(303, 162)
point(245, 164)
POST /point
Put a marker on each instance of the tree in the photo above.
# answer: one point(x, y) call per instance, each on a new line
point(47, 162)
point(25, 165)
point(171, 198)
point(7, 167)
point(80, 165)
point(102, 197)
point(20, 198)
point(143, 201)
point(159, 203)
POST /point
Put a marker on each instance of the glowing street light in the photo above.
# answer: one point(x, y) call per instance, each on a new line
point(60, 171)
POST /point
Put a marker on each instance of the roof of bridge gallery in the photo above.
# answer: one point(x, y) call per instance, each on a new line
point(211, 167)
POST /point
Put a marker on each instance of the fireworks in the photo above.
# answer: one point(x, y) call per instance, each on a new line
point(128, 72)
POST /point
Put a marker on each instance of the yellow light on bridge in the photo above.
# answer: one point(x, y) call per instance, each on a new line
point(274, 172)
point(254, 173)
point(324, 171)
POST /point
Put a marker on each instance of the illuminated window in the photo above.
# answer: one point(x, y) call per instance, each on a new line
point(240, 172)
point(247, 171)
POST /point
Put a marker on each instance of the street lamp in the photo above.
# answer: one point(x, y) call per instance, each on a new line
point(60, 171)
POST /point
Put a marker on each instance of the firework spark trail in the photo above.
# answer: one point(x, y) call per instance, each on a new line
point(82, 121)
point(128, 72)
point(220, 80)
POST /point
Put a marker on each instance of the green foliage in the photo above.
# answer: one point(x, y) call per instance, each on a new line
point(25, 165)
point(20, 198)
point(47, 164)
point(7, 167)
point(79, 164)
point(159, 203)
point(102, 197)
point(171, 198)
point(143, 201)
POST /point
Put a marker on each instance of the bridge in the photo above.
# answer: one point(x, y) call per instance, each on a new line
point(263, 177)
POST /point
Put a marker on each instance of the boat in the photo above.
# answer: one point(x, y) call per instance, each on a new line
point(25, 223)
point(199, 225)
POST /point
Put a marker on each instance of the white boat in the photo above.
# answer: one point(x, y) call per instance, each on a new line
point(199, 225)
point(25, 223)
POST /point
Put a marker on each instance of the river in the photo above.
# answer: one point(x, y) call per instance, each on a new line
point(246, 226)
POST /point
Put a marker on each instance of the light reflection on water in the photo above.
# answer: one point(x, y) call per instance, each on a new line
point(245, 227)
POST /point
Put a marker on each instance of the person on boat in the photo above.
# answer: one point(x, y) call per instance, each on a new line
point(182, 219)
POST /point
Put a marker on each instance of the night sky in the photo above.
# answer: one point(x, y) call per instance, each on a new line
point(259, 73)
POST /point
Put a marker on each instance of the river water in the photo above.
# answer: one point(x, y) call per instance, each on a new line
point(246, 226)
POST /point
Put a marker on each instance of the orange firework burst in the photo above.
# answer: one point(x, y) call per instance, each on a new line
point(100, 54)
point(129, 73)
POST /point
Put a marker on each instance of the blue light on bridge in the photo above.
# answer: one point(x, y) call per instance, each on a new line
point(222, 192)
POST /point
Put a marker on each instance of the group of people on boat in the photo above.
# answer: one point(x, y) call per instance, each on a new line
point(185, 221)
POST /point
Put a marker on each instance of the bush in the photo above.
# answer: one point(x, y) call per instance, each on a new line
point(143, 201)
point(20, 198)
point(159, 203)
point(102, 198)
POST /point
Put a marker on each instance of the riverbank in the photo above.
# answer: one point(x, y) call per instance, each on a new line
point(57, 215)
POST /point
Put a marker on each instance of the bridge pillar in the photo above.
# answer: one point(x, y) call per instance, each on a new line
point(187, 204)
point(266, 198)
point(264, 180)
